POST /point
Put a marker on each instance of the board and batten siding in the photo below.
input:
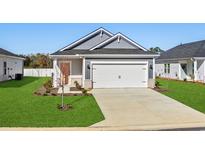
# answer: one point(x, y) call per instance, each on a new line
point(174, 70)
point(201, 70)
point(14, 65)
point(122, 44)
point(92, 42)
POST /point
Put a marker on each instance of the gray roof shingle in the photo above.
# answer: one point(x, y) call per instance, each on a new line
point(8, 53)
point(188, 50)
point(102, 51)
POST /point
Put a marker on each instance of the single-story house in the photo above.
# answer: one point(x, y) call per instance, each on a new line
point(183, 62)
point(10, 65)
point(102, 59)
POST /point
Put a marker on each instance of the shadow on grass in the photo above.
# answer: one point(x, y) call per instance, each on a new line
point(18, 83)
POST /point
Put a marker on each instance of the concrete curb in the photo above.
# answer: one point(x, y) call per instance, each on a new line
point(187, 126)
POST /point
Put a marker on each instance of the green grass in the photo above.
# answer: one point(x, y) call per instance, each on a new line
point(190, 94)
point(19, 107)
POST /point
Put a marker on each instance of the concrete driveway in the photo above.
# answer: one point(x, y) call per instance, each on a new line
point(143, 109)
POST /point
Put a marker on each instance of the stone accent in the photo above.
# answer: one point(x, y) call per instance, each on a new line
point(87, 84)
point(151, 83)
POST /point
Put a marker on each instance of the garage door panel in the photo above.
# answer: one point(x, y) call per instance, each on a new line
point(119, 75)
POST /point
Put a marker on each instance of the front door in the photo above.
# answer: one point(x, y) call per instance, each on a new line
point(65, 70)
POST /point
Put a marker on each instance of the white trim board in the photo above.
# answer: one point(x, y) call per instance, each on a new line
point(7, 56)
point(114, 37)
point(105, 56)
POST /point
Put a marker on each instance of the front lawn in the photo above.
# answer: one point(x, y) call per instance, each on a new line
point(19, 107)
point(188, 93)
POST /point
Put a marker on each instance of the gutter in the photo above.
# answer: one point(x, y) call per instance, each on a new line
point(198, 58)
point(106, 55)
point(1, 55)
point(173, 59)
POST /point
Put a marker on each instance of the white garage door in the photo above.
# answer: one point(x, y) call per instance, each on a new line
point(119, 75)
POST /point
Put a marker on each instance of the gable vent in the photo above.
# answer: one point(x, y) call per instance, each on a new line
point(118, 39)
point(101, 33)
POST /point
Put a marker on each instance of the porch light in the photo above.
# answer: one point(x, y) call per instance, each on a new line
point(151, 67)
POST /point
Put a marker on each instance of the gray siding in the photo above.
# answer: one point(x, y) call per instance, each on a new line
point(92, 42)
point(76, 65)
point(122, 44)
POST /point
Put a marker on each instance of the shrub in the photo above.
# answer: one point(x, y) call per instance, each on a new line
point(157, 84)
point(77, 85)
point(185, 79)
point(84, 91)
point(45, 94)
point(48, 84)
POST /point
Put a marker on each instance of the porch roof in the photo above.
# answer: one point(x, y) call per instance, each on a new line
point(104, 51)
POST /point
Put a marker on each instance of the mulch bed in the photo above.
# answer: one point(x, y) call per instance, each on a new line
point(197, 82)
point(65, 107)
point(161, 90)
point(42, 91)
point(54, 92)
point(74, 89)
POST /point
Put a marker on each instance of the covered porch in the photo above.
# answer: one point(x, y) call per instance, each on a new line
point(68, 70)
point(191, 70)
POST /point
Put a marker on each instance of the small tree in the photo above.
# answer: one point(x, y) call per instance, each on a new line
point(156, 50)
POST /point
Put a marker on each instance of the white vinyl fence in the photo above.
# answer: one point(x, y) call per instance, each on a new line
point(38, 72)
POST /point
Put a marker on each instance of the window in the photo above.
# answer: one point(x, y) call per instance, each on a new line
point(168, 69)
point(165, 68)
point(4, 68)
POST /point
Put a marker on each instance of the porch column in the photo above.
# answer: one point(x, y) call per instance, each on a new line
point(153, 66)
point(180, 72)
point(195, 71)
point(54, 73)
point(83, 71)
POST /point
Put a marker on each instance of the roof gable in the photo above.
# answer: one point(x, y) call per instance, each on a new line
point(90, 40)
point(119, 41)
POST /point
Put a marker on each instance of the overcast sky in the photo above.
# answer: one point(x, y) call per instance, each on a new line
point(47, 38)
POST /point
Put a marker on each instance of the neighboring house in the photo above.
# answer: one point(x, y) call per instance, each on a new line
point(183, 62)
point(104, 60)
point(10, 64)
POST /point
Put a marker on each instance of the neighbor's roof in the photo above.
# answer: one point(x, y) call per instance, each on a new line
point(8, 53)
point(102, 51)
point(188, 50)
